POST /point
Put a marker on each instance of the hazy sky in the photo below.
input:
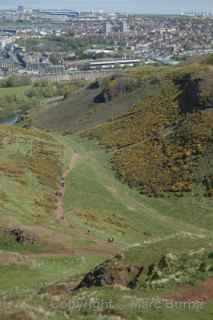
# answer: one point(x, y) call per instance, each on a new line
point(146, 6)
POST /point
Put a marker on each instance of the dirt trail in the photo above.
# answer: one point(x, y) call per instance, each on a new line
point(61, 193)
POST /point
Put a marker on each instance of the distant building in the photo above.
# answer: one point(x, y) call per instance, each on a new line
point(7, 66)
point(44, 68)
point(124, 27)
point(111, 64)
point(61, 13)
point(107, 27)
point(7, 31)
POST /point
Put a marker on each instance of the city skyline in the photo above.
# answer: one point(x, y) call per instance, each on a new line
point(133, 6)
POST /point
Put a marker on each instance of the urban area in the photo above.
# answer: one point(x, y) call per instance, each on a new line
point(63, 42)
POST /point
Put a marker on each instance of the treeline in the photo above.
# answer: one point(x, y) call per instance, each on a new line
point(45, 89)
point(55, 44)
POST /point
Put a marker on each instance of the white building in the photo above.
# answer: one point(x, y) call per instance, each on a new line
point(107, 28)
point(124, 27)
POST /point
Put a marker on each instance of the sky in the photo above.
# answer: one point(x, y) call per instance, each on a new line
point(132, 6)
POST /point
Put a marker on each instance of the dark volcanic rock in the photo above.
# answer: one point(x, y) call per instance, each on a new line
point(189, 98)
point(94, 85)
point(103, 97)
point(100, 98)
point(110, 274)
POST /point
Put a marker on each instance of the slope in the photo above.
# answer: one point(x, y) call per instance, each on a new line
point(69, 221)
point(103, 217)
point(94, 104)
point(163, 145)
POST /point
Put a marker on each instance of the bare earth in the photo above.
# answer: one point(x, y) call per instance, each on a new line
point(60, 206)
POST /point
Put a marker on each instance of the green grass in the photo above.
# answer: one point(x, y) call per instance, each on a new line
point(18, 91)
point(9, 244)
point(113, 303)
point(95, 200)
point(98, 206)
point(37, 272)
point(190, 209)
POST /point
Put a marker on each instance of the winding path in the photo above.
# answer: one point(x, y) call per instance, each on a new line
point(61, 193)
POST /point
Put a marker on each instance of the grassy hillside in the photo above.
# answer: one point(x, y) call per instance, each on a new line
point(94, 105)
point(122, 234)
point(31, 163)
point(97, 208)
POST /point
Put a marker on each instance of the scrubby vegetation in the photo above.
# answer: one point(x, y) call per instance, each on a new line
point(164, 143)
point(49, 89)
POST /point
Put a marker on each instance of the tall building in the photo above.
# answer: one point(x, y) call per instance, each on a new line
point(124, 27)
point(107, 28)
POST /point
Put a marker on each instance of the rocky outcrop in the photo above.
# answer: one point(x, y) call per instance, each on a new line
point(168, 268)
point(94, 85)
point(112, 273)
point(189, 98)
point(103, 97)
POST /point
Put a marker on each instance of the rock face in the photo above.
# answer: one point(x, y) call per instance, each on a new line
point(189, 99)
point(166, 269)
point(111, 274)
